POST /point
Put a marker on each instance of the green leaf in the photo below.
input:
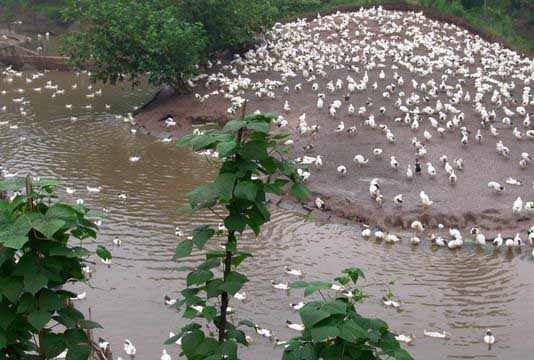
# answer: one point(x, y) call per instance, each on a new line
point(209, 264)
point(202, 196)
point(198, 277)
point(48, 300)
point(262, 127)
point(47, 227)
point(191, 341)
point(201, 235)
point(246, 190)
point(74, 252)
point(209, 313)
point(311, 315)
point(354, 274)
point(53, 344)
point(14, 241)
point(246, 323)
point(233, 283)
point(224, 185)
point(322, 333)
point(185, 140)
point(254, 150)
point(103, 253)
point(88, 324)
point(35, 282)
point(11, 287)
point(352, 332)
point(183, 249)
point(78, 352)
point(298, 284)
point(235, 223)
point(202, 142)
point(7, 315)
point(300, 191)
point(38, 319)
point(233, 125)
point(226, 148)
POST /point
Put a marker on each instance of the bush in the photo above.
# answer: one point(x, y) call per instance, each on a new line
point(229, 24)
point(38, 256)
point(124, 39)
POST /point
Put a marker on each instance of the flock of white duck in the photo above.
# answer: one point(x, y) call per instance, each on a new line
point(428, 75)
point(301, 55)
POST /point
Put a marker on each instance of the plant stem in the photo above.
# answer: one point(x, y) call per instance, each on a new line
point(224, 296)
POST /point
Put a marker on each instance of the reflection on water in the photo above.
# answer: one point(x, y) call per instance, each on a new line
point(463, 292)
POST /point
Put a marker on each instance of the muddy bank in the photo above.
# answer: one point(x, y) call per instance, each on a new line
point(466, 203)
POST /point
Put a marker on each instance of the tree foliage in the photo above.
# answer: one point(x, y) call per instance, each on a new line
point(126, 39)
point(38, 257)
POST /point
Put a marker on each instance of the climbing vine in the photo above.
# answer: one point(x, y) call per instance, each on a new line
point(41, 251)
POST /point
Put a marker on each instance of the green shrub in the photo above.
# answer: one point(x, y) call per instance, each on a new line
point(41, 251)
point(125, 39)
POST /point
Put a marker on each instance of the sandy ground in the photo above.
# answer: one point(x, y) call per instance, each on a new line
point(464, 204)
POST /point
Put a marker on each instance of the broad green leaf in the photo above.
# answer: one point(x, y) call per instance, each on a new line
point(35, 282)
point(78, 352)
point(352, 332)
point(246, 190)
point(88, 324)
point(38, 319)
point(198, 277)
point(311, 315)
point(48, 300)
point(183, 249)
point(44, 225)
point(233, 125)
point(14, 241)
point(209, 313)
point(254, 150)
point(235, 223)
point(233, 282)
point(11, 287)
point(322, 333)
point(7, 315)
point(201, 235)
point(53, 344)
point(202, 142)
point(262, 127)
point(74, 252)
point(209, 264)
point(226, 148)
point(224, 185)
point(103, 253)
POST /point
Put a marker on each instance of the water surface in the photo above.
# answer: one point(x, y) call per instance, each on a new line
point(463, 292)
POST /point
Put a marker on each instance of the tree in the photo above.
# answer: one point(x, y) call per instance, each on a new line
point(252, 165)
point(229, 24)
point(126, 39)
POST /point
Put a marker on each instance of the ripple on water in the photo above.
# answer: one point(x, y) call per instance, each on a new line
point(463, 291)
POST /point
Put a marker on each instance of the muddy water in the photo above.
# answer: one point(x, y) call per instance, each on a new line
point(463, 292)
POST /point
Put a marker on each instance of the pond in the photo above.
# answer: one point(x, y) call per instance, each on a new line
point(463, 292)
